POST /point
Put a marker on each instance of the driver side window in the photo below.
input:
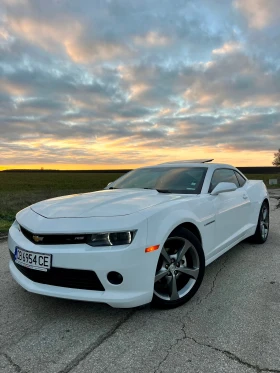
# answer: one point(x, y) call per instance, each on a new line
point(223, 175)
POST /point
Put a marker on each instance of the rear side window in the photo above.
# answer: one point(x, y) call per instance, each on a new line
point(223, 175)
point(240, 179)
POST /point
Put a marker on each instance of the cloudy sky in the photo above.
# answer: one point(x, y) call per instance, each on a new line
point(123, 83)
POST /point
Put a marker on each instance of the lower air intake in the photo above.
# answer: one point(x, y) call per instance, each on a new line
point(64, 277)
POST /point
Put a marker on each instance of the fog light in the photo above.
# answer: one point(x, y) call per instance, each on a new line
point(115, 278)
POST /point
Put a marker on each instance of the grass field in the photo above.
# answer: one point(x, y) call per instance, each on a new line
point(21, 189)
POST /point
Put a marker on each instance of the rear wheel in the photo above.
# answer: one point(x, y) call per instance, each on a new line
point(180, 269)
point(262, 229)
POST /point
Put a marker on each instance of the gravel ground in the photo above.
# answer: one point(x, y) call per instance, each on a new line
point(231, 325)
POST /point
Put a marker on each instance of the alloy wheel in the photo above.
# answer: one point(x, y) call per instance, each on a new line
point(177, 269)
point(264, 222)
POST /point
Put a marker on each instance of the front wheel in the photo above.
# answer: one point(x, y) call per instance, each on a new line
point(180, 269)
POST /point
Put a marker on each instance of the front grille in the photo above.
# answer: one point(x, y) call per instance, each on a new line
point(64, 277)
point(54, 239)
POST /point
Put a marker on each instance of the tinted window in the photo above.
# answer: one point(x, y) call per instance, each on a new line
point(223, 175)
point(187, 180)
point(240, 179)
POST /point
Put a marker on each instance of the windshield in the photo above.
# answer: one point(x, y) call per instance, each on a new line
point(187, 180)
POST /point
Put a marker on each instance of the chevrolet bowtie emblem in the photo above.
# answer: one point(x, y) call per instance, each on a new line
point(37, 238)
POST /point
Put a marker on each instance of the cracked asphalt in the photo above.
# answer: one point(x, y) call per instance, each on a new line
point(231, 325)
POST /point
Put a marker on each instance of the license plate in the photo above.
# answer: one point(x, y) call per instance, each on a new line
point(29, 259)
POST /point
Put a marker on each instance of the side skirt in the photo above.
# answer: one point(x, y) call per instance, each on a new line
point(217, 255)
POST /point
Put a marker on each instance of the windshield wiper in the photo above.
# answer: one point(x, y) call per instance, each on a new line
point(164, 191)
point(160, 190)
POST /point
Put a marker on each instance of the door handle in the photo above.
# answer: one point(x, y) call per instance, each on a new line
point(245, 196)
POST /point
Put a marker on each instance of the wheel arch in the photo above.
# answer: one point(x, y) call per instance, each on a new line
point(160, 229)
point(261, 203)
point(192, 228)
point(267, 201)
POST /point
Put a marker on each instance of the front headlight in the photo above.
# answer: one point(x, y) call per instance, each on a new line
point(111, 238)
point(16, 225)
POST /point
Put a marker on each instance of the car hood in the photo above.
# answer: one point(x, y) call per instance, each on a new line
point(105, 203)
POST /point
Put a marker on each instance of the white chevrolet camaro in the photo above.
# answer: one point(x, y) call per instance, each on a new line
point(146, 238)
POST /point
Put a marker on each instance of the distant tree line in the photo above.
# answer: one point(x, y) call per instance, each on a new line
point(245, 170)
point(77, 171)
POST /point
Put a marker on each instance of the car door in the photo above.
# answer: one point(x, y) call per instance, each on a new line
point(232, 210)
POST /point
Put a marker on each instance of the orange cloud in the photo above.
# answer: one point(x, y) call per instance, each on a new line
point(81, 53)
point(138, 88)
point(13, 88)
point(260, 13)
point(67, 35)
point(46, 35)
point(228, 48)
point(152, 39)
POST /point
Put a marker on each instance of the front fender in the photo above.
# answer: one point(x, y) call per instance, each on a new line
point(160, 227)
point(198, 211)
point(257, 192)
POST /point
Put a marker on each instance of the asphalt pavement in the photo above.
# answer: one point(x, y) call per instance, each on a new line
point(231, 325)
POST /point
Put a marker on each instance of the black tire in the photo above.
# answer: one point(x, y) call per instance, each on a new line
point(262, 229)
point(186, 268)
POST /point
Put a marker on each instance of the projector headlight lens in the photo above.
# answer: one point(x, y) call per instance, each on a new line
point(111, 238)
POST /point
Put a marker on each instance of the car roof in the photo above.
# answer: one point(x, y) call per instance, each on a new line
point(194, 163)
point(191, 161)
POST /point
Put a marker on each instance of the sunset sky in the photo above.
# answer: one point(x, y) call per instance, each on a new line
point(125, 83)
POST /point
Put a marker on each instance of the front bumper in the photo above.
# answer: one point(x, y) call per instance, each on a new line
point(136, 267)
